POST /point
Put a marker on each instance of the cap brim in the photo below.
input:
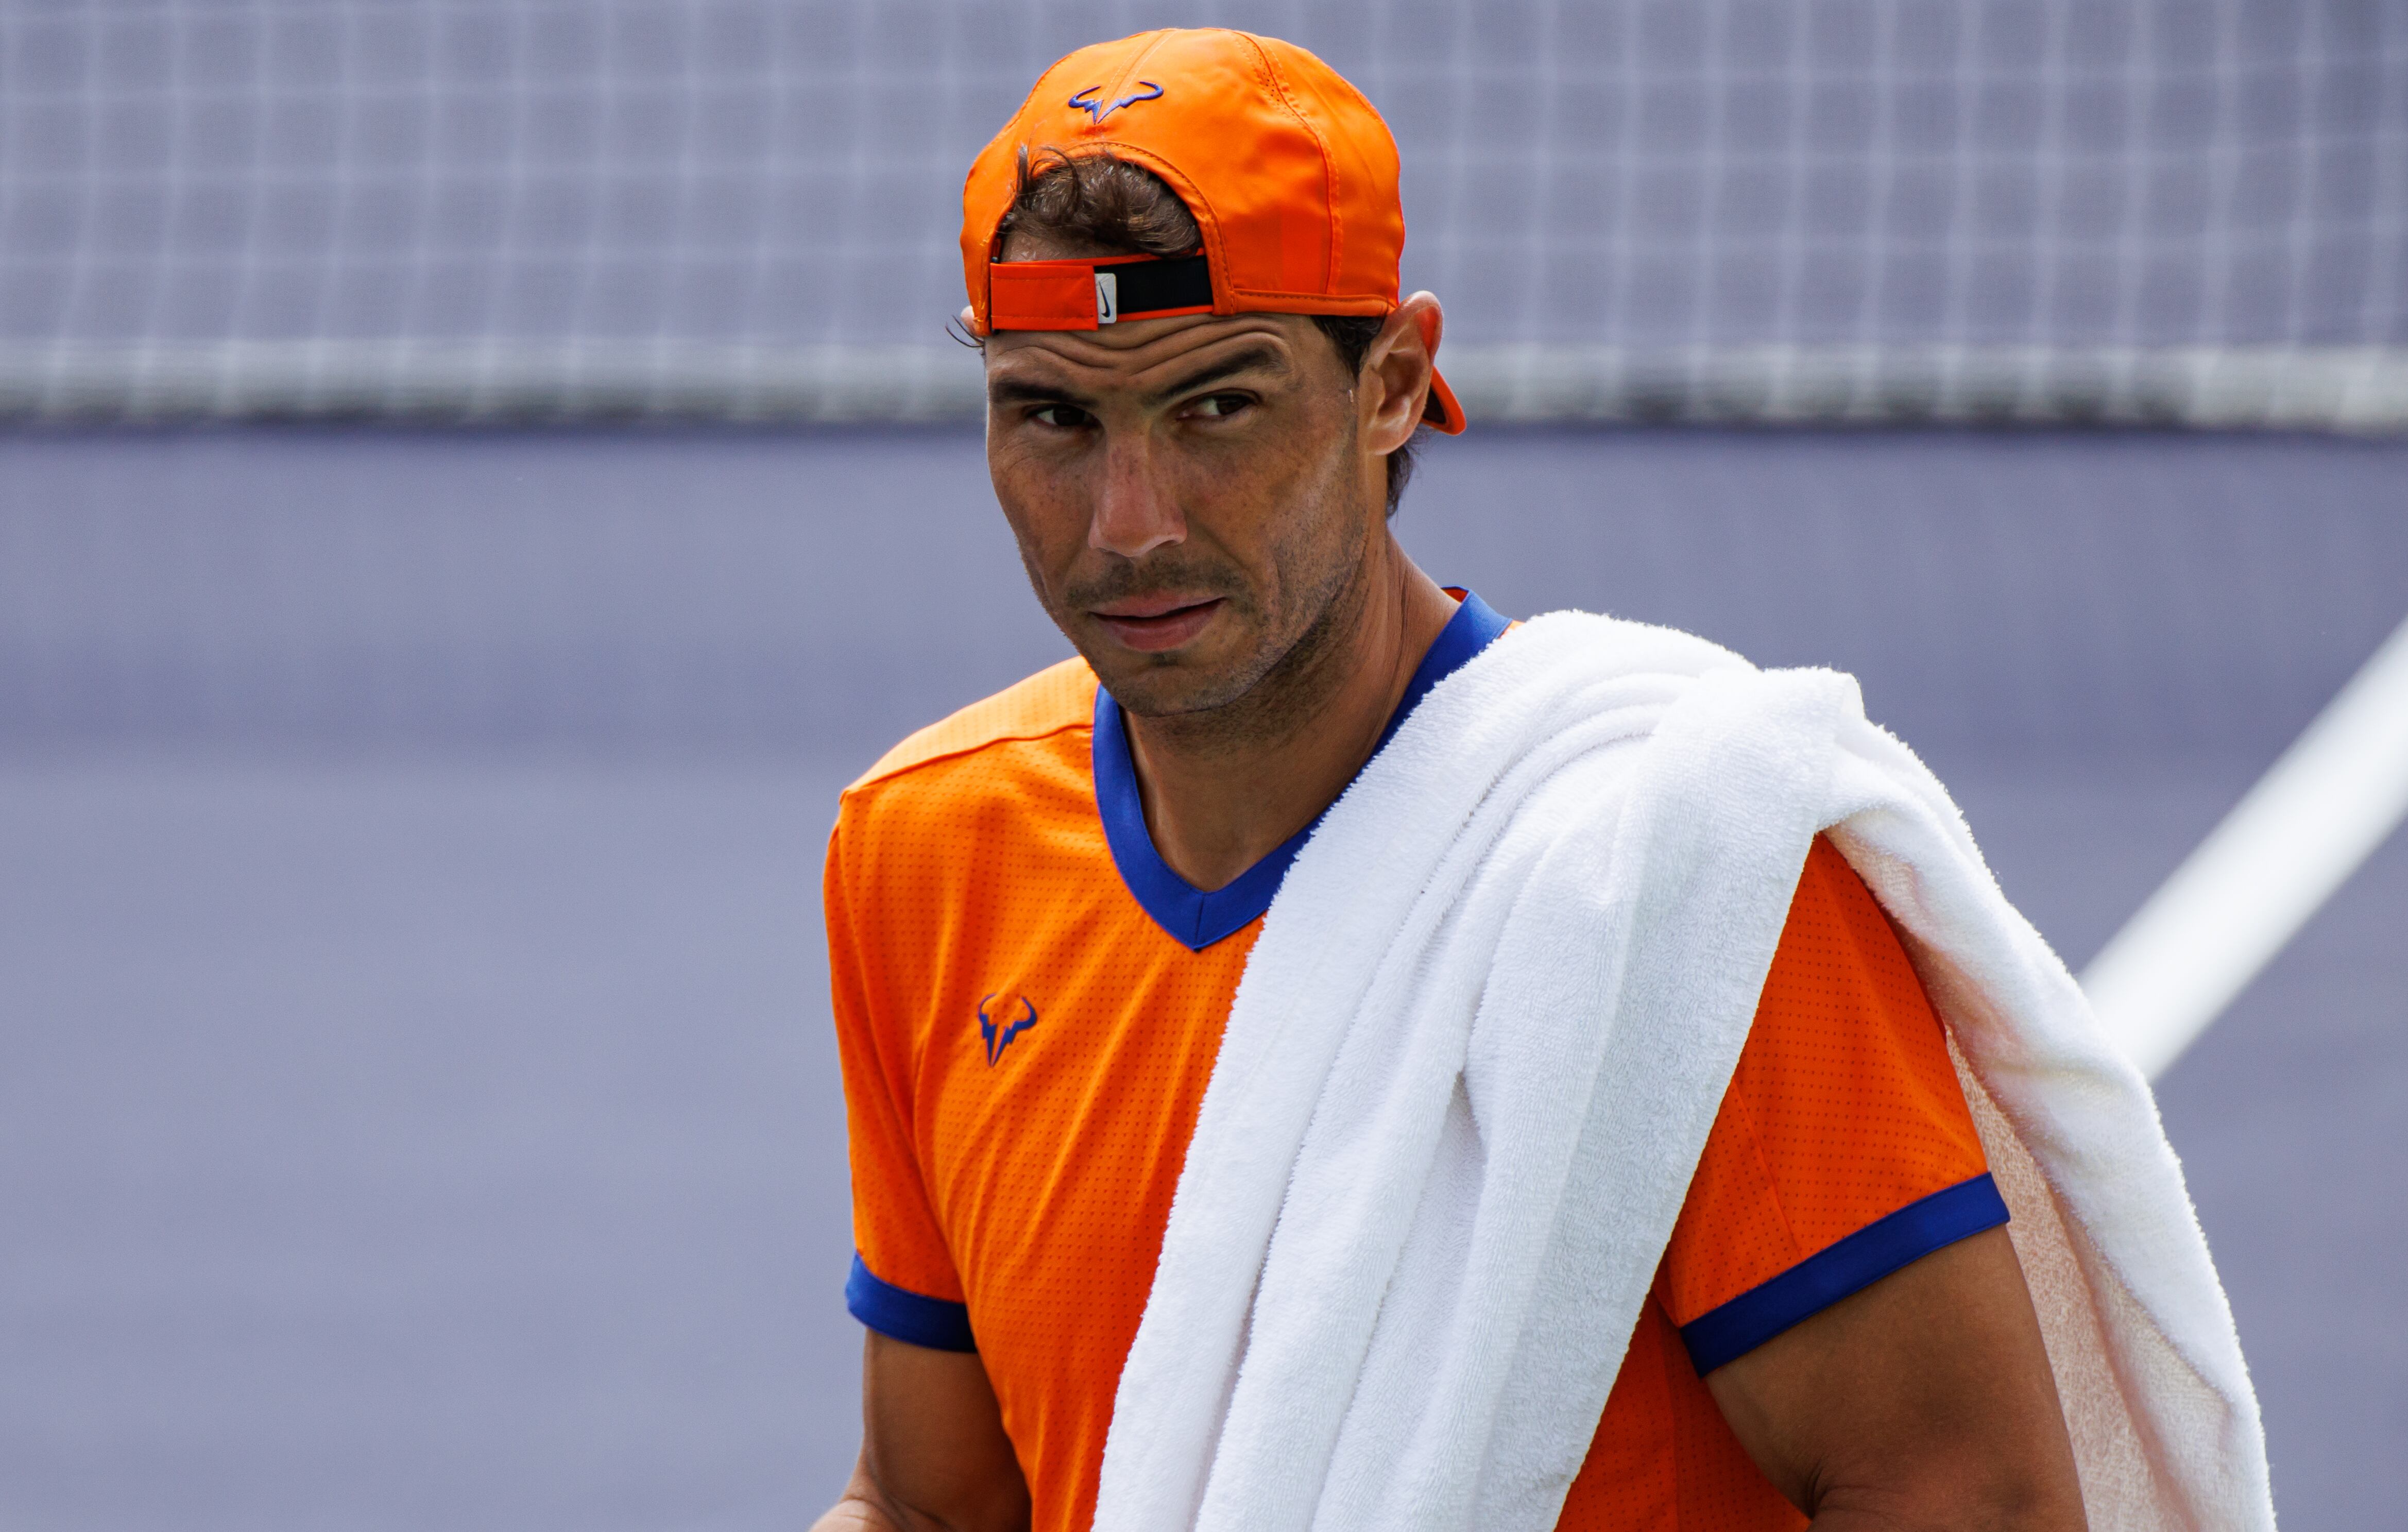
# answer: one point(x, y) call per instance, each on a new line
point(1443, 411)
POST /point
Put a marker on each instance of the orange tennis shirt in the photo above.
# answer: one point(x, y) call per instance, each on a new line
point(1028, 1002)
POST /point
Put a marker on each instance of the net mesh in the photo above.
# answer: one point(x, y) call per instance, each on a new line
point(2181, 210)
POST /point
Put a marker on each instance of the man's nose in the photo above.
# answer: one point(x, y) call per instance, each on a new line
point(1135, 511)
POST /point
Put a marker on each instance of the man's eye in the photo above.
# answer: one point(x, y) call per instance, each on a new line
point(1216, 405)
point(1062, 417)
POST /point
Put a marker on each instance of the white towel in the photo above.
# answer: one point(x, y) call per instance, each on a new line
point(1474, 1059)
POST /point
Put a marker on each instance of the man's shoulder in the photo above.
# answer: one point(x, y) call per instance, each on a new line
point(1057, 700)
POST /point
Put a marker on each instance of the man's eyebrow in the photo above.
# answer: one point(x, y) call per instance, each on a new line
point(1271, 359)
point(1014, 391)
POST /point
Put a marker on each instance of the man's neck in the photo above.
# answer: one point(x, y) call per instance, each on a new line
point(1219, 798)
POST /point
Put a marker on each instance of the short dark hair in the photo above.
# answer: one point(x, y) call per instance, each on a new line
point(1095, 198)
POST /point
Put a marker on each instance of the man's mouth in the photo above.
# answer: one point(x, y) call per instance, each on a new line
point(1150, 625)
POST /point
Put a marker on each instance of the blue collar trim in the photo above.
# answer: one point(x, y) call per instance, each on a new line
point(1196, 917)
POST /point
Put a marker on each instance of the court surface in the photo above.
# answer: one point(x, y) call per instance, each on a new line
point(419, 1111)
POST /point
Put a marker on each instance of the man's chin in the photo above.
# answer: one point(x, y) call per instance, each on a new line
point(1171, 685)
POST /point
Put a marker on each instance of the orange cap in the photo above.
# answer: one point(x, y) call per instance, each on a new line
point(1290, 174)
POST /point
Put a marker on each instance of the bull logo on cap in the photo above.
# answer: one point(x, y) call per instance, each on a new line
point(1091, 100)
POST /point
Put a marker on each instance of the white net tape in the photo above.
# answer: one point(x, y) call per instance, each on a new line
point(2182, 212)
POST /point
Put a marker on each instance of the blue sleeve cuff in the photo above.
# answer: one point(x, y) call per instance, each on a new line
point(908, 1317)
point(1863, 1258)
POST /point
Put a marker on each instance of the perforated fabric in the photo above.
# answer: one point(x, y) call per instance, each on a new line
point(1844, 1106)
point(1030, 1176)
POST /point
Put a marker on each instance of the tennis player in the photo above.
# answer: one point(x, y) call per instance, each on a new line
point(1204, 396)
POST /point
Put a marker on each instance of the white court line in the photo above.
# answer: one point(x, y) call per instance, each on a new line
point(2323, 809)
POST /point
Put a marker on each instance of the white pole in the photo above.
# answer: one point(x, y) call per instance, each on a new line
point(2323, 809)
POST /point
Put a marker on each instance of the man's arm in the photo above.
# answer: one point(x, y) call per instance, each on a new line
point(934, 1457)
point(1923, 1401)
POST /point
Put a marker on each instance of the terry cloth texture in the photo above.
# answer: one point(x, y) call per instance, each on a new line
point(1475, 1056)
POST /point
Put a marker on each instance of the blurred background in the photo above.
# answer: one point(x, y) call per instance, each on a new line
point(476, 478)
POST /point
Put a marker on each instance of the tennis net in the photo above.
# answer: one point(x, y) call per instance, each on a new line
point(2161, 211)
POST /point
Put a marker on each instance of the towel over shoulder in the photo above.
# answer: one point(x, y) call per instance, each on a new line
point(1476, 1052)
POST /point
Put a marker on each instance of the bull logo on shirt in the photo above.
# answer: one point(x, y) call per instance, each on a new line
point(998, 1024)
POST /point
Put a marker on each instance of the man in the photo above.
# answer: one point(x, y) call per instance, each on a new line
point(1204, 392)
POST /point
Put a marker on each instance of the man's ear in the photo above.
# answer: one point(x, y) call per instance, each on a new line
point(1401, 360)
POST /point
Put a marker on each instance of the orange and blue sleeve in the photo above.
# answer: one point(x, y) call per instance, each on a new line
point(1843, 1148)
point(903, 1283)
